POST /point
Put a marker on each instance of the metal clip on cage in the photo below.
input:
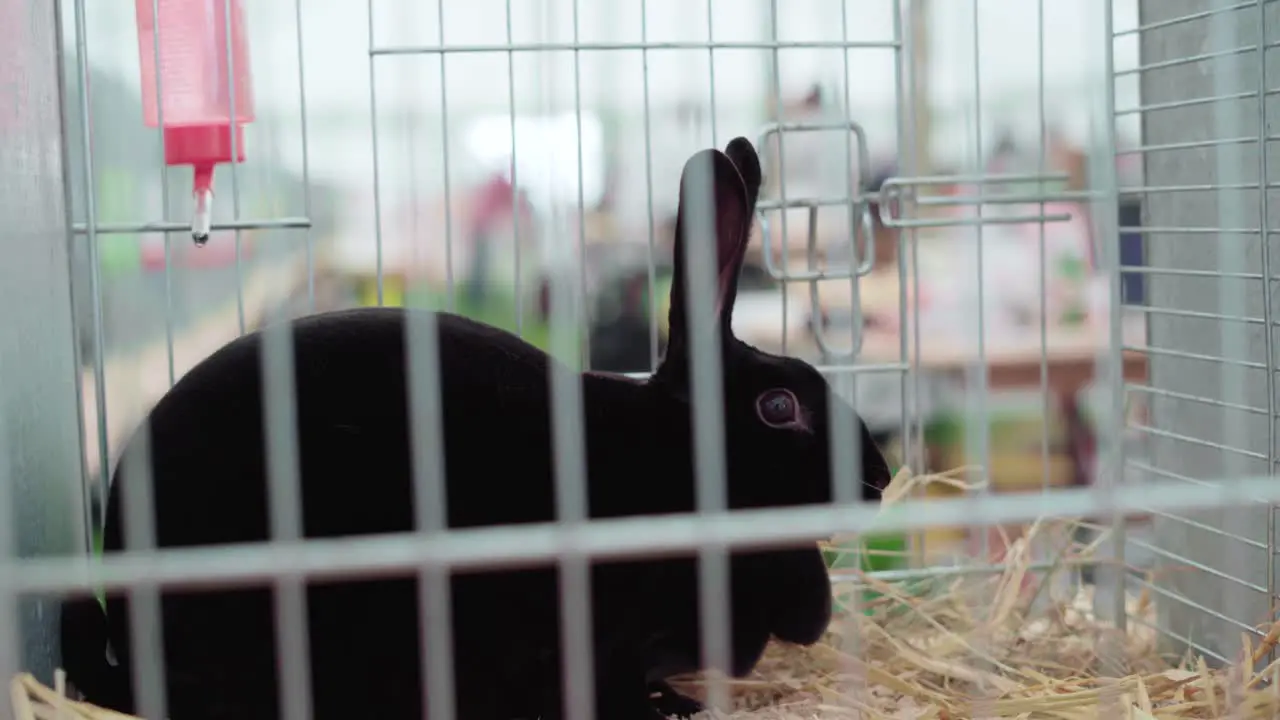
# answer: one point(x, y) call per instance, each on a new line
point(860, 220)
point(895, 189)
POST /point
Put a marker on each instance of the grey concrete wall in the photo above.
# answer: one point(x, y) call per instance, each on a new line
point(40, 464)
point(1211, 584)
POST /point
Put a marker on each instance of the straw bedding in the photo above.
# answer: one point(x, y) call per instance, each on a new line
point(962, 647)
point(945, 654)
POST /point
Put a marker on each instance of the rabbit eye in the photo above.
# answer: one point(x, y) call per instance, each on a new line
point(778, 408)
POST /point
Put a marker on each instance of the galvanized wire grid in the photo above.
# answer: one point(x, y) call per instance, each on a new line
point(1199, 427)
point(1206, 157)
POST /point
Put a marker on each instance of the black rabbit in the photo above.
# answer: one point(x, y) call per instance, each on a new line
point(210, 488)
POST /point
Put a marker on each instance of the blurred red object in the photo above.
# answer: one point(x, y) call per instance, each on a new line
point(493, 203)
point(219, 253)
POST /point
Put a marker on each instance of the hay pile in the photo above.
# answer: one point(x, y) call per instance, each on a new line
point(947, 648)
point(936, 656)
point(32, 701)
point(994, 646)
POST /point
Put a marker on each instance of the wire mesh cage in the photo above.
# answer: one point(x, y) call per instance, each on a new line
point(1216, 588)
point(499, 359)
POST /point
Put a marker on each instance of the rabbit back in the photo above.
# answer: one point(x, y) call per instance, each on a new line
point(208, 456)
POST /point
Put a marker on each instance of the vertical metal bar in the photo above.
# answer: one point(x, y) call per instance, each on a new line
point(584, 344)
point(901, 134)
point(905, 88)
point(281, 435)
point(430, 501)
point(164, 194)
point(849, 464)
point(976, 393)
point(95, 261)
point(1228, 161)
point(979, 393)
point(569, 452)
point(11, 654)
point(235, 179)
point(285, 499)
point(1264, 247)
point(846, 471)
point(1231, 257)
point(515, 182)
point(308, 239)
point(714, 607)
point(1042, 252)
point(857, 210)
point(91, 524)
point(781, 169)
point(920, 162)
point(711, 67)
point(146, 636)
point(648, 189)
point(444, 159)
point(1108, 229)
point(847, 475)
point(430, 494)
point(1042, 270)
point(921, 50)
point(377, 185)
point(707, 393)
point(169, 335)
point(408, 126)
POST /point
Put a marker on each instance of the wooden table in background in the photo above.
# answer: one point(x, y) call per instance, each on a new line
point(1069, 355)
point(1069, 358)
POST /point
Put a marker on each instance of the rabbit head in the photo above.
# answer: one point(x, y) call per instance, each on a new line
point(778, 411)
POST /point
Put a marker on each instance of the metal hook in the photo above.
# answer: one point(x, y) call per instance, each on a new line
point(864, 223)
point(892, 188)
point(855, 300)
point(783, 204)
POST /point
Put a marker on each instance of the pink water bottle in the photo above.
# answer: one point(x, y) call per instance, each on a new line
point(194, 83)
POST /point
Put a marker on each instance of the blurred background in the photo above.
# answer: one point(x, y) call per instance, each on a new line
point(439, 173)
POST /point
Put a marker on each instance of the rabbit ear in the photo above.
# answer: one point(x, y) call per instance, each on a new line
point(747, 162)
point(732, 250)
point(733, 193)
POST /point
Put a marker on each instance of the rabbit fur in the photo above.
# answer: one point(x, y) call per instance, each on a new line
point(209, 472)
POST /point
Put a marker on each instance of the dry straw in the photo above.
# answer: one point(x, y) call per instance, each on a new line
point(969, 646)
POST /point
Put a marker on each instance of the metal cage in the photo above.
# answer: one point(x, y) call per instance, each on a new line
point(1179, 374)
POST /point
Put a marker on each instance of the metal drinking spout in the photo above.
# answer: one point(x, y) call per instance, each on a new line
point(202, 218)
